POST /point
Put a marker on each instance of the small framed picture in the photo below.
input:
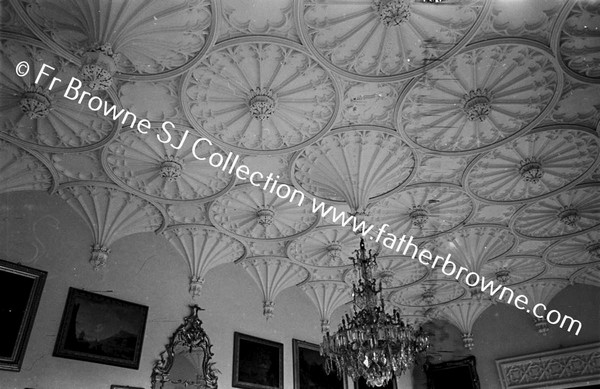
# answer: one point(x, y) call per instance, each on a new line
point(309, 368)
point(361, 383)
point(101, 329)
point(257, 363)
point(20, 292)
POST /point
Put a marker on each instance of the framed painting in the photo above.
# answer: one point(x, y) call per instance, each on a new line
point(124, 387)
point(101, 329)
point(452, 374)
point(309, 368)
point(257, 363)
point(20, 292)
point(361, 383)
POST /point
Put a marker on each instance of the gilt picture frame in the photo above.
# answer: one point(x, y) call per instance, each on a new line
point(20, 293)
point(309, 368)
point(257, 363)
point(101, 329)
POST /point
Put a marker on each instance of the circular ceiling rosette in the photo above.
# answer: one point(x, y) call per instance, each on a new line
point(384, 40)
point(423, 210)
point(577, 42)
point(158, 171)
point(472, 246)
point(393, 272)
point(251, 212)
point(329, 246)
point(490, 93)
point(533, 166)
point(513, 269)
point(354, 165)
point(260, 96)
point(142, 38)
point(38, 116)
point(568, 213)
point(578, 250)
point(428, 294)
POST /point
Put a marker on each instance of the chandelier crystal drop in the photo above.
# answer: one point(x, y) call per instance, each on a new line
point(371, 343)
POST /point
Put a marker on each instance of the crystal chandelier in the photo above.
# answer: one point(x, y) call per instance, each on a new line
point(372, 343)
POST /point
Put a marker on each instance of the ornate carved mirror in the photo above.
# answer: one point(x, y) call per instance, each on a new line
point(186, 361)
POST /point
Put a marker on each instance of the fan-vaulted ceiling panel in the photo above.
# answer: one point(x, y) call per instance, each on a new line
point(471, 124)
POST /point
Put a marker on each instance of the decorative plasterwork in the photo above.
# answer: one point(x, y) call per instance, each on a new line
point(327, 297)
point(161, 100)
point(564, 368)
point(566, 214)
point(530, 247)
point(111, 214)
point(22, 170)
point(161, 172)
point(150, 38)
point(393, 272)
point(577, 44)
point(369, 103)
point(270, 17)
point(493, 213)
point(560, 273)
point(10, 20)
point(260, 248)
point(473, 246)
point(481, 98)
point(578, 250)
point(260, 96)
point(428, 294)
point(463, 314)
point(577, 105)
point(423, 210)
point(327, 247)
point(533, 166)
point(250, 212)
point(588, 275)
point(355, 165)
point(273, 275)
point(440, 168)
point(540, 291)
point(513, 269)
point(42, 118)
point(386, 39)
point(203, 247)
point(79, 166)
point(187, 213)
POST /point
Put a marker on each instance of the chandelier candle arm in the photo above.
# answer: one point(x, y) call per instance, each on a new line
point(371, 343)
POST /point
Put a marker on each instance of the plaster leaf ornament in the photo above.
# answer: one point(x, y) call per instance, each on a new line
point(111, 214)
point(534, 166)
point(22, 170)
point(162, 38)
point(540, 291)
point(565, 214)
point(273, 275)
point(513, 269)
point(265, 96)
point(589, 275)
point(203, 247)
point(428, 293)
point(578, 250)
point(463, 314)
point(166, 172)
point(327, 297)
point(355, 165)
point(385, 40)
point(393, 272)
point(252, 212)
point(480, 99)
point(38, 115)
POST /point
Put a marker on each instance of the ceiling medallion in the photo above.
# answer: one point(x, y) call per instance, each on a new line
point(594, 250)
point(392, 12)
point(387, 278)
point(428, 297)
point(262, 103)
point(503, 275)
point(35, 103)
point(531, 170)
point(99, 256)
point(170, 169)
point(419, 216)
point(334, 250)
point(98, 65)
point(371, 344)
point(265, 216)
point(569, 216)
point(477, 104)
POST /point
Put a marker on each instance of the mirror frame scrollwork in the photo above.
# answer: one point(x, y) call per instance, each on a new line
point(191, 335)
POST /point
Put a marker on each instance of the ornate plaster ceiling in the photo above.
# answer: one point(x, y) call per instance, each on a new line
point(472, 126)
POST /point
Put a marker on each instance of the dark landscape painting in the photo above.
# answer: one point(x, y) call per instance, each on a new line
point(309, 368)
point(101, 329)
point(257, 363)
